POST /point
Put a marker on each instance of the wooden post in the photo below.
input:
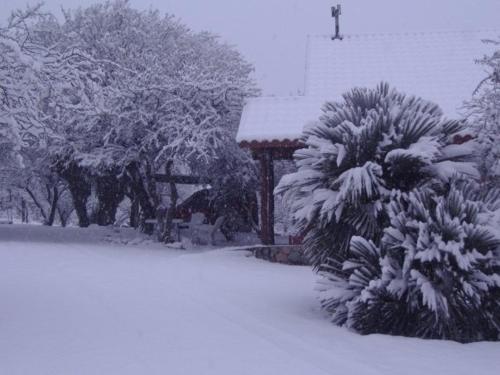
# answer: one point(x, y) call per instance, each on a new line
point(164, 215)
point(267, 197)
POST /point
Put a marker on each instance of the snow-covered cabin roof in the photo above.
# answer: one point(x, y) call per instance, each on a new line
point(277, 118)
point(438, 66)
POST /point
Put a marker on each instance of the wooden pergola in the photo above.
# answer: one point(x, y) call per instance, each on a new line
point(271, 128)
point(266, 152)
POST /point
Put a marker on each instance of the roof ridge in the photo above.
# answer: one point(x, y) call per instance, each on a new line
point(408, 33)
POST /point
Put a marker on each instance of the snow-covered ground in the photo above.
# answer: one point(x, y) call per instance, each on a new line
point(73, 302)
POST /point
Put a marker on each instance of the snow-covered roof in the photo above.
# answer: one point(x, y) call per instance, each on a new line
point(277, 118)
point(438, 66)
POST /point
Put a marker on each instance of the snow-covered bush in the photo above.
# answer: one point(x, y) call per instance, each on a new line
point(435, 273)
point(373, 142)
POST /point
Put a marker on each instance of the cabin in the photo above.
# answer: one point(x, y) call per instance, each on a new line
point(438, 66)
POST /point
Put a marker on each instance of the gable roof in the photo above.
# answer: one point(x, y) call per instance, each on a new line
point(438, 66)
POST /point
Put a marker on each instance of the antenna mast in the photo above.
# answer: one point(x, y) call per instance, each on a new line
point(336, 12)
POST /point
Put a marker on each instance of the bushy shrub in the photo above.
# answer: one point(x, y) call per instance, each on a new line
point(435, 273)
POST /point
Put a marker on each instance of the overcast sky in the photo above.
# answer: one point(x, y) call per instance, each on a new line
point(272, 33)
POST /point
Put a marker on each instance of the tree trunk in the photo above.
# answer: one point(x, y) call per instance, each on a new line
point(161, 217)
point(62, 218)
point(53, 206)
point(37, 203)
point(80, 190)
point(110, 193)
point(80, 195)
point(141, 194)
point(64, 215)
point(77, 180)
point(174, 196)
point(24, 211)
point(168, 214)
point(134, 212)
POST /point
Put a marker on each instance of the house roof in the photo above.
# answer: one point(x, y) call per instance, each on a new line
point(438, 66)
point(277, 118)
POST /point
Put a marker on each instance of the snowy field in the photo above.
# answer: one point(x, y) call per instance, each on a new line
point(72, 302)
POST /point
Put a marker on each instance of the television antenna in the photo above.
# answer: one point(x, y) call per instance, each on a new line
point(336, 12)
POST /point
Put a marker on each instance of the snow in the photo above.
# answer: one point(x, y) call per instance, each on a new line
point(72, 303)
point(426, 149)
point(448, 169)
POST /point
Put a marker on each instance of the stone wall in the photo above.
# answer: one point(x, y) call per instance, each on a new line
point(286, 254)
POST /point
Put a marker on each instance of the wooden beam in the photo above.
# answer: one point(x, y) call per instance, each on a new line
point(182, 179)
point(267, 196)
point(275, 144)
point(282, 150)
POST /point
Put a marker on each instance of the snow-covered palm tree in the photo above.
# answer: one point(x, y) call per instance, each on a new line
point(370, 143)
point(403, 244)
